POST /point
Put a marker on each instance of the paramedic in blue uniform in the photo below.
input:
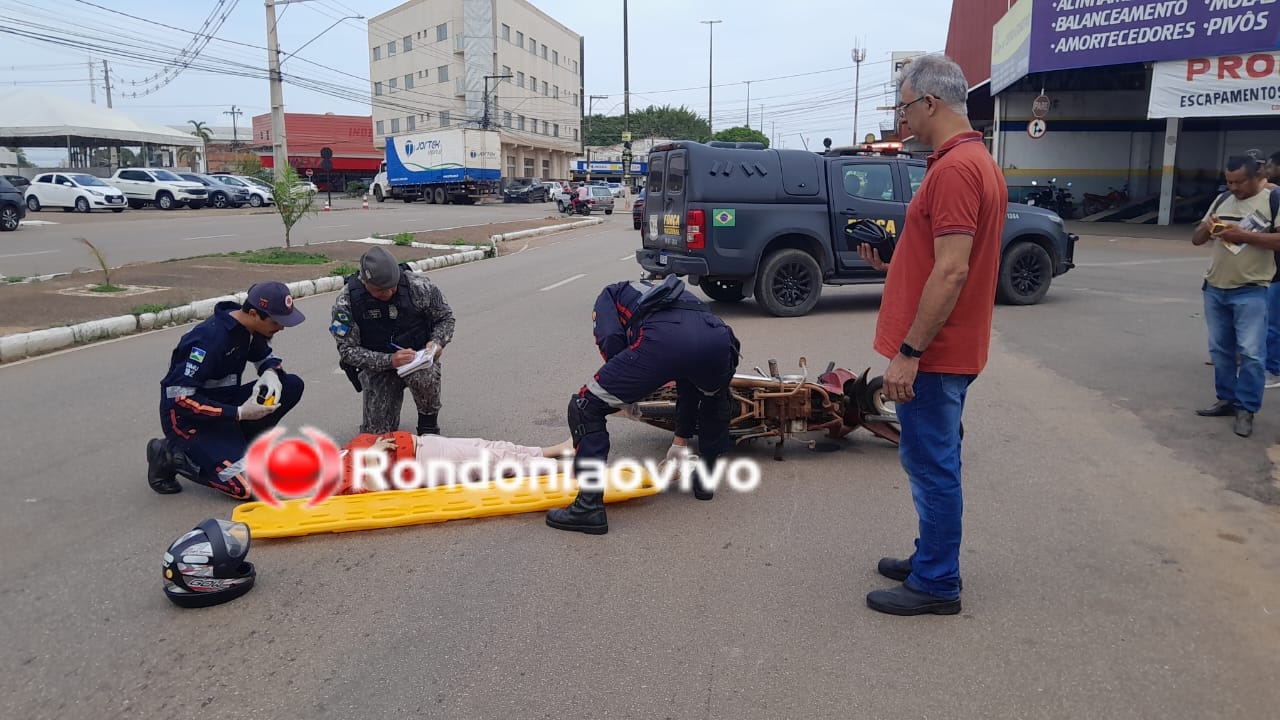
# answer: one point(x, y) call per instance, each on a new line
point(209, 416)
point(650, 334)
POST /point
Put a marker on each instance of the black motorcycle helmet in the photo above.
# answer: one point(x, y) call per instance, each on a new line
point(206, 566)
point(873, 234)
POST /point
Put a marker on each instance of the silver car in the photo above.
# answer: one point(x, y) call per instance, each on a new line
point(602, 199)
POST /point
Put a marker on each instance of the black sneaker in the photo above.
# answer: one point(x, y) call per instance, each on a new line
point(902, 600)
point(161, 473)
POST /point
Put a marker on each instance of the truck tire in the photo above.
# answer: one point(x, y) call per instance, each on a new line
point(726, 291)
point(1025, 273)
point(407, 199)
point(440, 197)
point(789, 283)
point(377, 193)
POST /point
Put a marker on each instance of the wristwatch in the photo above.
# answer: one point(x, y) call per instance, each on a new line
point(909, 351)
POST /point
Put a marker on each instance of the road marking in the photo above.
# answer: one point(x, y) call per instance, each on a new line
point(563, 282)
point(1123, 263)
point(38, 252)
point(323, 227)
point(38, 222)
point(627, 257)
point(208, 237)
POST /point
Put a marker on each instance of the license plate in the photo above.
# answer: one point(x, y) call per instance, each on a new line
point(662, 258)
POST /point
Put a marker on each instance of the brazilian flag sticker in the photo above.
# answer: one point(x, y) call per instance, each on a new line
point(723, 217)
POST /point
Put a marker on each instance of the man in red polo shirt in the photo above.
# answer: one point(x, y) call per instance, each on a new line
point(935, 324)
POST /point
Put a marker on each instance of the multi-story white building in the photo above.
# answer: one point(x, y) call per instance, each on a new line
point(428, 62)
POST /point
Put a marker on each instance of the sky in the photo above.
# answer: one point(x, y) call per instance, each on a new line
point(796, 57)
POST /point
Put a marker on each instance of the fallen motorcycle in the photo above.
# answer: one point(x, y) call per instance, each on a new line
point(781, 406)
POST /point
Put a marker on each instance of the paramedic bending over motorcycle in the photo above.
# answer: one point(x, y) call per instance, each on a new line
point(648, 336)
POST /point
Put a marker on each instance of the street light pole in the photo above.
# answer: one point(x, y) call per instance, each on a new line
point(591, 104)
point(711, 26)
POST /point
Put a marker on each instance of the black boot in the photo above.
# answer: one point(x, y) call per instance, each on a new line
point(161, 473)
point(428, 424)
point(701, 490)
point(585, 515)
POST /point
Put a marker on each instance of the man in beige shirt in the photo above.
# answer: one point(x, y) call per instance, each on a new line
point(1241, 224)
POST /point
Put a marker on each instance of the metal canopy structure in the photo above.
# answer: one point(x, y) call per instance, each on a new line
point(33, 118)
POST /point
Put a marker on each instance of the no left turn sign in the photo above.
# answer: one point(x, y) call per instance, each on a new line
point(1037, 128)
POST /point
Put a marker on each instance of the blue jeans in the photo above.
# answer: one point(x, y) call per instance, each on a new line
point(1273, 329)
point(930, 454)
point(1237, 322)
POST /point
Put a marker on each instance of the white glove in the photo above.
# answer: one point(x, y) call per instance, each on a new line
point(677, 453)
point(253, 410)
point(270, 381)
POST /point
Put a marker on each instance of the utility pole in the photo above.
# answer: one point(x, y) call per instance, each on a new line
point(115, 149)
point(859, 54)
point(626, 73)
point(748, 104)
point(711, 26)
point(761, 118)
point(279, 144)
point(106, 76)
point(93, 85)
point(485, 122)
point(234, 112)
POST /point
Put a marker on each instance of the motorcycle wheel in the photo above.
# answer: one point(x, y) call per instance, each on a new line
point(874, 402)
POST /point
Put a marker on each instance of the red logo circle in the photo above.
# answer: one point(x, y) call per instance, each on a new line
point(293, 468)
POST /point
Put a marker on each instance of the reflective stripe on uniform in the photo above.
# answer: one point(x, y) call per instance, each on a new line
point(225, 381)
point(178, 391)
point(595, 388)
point(230, 472)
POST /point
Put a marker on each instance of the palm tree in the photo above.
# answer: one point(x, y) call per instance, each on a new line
point(201, 131)
point(191, 157)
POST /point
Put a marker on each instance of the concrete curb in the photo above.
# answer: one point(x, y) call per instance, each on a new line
point(536, 232)
point(20, 346)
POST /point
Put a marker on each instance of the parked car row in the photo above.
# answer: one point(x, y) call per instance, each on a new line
point(138, 187)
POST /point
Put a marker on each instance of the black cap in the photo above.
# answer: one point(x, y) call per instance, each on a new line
point(273, 299)
point(379, 268)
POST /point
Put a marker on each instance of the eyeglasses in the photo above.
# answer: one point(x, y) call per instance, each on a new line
point(902, 109)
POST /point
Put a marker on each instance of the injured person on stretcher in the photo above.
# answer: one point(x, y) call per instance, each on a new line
point(440, 459)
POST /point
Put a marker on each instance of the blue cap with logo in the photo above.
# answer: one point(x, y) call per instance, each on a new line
point(273, 299)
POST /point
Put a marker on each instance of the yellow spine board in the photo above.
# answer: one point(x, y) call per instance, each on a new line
point(398, 508)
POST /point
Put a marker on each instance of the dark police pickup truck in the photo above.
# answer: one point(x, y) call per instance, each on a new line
point(741, 220)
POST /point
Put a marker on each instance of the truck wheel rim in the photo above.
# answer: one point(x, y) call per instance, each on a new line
point(791, 285)
point(1027, 275)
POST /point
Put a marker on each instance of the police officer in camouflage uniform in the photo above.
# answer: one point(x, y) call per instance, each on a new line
point(384, 314)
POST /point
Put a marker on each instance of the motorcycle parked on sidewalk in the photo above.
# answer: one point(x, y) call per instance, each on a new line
point(1114, 198)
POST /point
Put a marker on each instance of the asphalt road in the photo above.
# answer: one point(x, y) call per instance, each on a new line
point(1109, 571)
point(46, 241)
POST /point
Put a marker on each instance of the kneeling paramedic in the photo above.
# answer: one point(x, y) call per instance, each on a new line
point(384, 315)
point(209, 418)
point(650, 334)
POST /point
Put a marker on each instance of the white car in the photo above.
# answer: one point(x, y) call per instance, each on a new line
point(143, 186)
point(260, 193)
point(306, 186)
point(73, 191)
point(617, 190)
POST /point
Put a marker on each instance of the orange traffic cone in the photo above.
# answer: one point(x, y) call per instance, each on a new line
point(366, 201)
point(326, 206)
